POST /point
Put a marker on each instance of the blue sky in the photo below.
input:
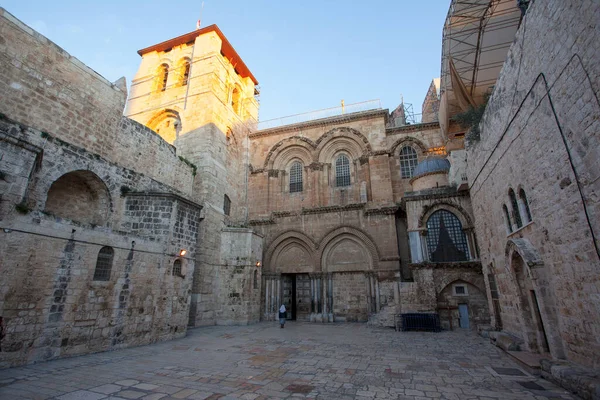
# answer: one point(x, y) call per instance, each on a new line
point(307, 55)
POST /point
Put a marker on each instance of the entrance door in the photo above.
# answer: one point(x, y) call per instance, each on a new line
point(463, 312)
point(302, 297)
point(288, 282)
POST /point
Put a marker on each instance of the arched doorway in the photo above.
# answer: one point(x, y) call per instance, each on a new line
point(533, 330)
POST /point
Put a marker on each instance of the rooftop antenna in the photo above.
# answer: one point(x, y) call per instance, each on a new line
point(198, 23)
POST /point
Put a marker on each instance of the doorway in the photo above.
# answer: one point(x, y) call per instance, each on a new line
point(296, 296)
point(463, 313)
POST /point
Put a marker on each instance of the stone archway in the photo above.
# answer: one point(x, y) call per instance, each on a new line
point(79, 196)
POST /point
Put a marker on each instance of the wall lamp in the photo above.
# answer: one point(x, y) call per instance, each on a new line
point(258, 263)
point(182, 252)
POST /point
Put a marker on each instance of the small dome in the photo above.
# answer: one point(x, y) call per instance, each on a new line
point(430, 165)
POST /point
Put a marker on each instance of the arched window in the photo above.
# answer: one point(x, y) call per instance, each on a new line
point(226, 205)
point(236, 100)
point(515, 208)
point(507, 218)
point(185, 72)
point(163, 75)
point(446, 240)
point(177, 268)
point(525, 203)
point(408, 161)
point(104, 264)
point(255, 280)
point(342, 171)
point(296, 177)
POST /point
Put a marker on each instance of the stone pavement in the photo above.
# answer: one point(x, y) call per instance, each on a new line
point(333, 361)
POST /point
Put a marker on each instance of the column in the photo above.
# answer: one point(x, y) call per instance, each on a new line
point(368, 283)
point(376, 279)
point(278, 296)
point(324, 295)
point(266, 286)
point(330, 290)
point(373, 293)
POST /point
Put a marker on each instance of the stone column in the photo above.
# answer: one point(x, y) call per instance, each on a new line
point(373, 292)
point(424, 246)
point(266, 286)
point(368, 283)
point(330, 291)
point(377, 305)
point(324, 295)
point(279, 299)
point(396, 289)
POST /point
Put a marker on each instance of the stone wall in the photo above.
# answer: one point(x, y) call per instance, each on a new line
point(540, 135)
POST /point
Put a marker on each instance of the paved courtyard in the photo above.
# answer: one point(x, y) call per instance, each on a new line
point(345, 361)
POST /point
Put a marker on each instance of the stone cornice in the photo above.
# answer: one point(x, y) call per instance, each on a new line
point(255, 222)
point(473, 265)
point(164, 194)
point(385, 210)
point(328, 209)
point(433, 195)
point(320, 122)
point(411, 128)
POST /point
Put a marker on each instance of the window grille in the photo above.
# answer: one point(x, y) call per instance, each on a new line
point(164, 71)
point(507, 216)
point(446, 240)
point(408, 161)
point(460, 290)
point(226, 205)
point(515, 208)
point(177, 268)
point(104, 264)
point(296, 177)
point(526, 204)
point(342, 171)
point(255, 279)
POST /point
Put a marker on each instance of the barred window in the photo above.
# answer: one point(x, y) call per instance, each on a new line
point(177, 268)
point(104, 264)
point(507, 217)
point(523, 198)
point(255, 280)
point(408, 161)
point(342, 171)
point(163, 76)
point(515, 208)
point(446, 240)
point(296, 177)
point(226, 205)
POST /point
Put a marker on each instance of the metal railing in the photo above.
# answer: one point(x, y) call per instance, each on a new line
point(319, 114)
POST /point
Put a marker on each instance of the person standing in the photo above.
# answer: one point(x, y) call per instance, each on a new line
point(282, 313)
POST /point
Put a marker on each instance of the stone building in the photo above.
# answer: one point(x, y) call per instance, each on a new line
point(534, 175)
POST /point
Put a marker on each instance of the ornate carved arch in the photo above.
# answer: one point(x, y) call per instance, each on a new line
point(285, 238)
point(450, 279)
point(455, 209)
point(303, 146)
point(343, 138)
point(363, 237)
point(525, 249)
point(408, 141)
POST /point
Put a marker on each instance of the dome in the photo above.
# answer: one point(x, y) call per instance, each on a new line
point(430, 165)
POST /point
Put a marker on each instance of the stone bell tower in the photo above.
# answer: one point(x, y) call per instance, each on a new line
point(198, 95)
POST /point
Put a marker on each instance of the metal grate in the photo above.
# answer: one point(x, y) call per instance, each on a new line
point(177, 268)
point(421, 322)
point(342, 171)
point(296, 177)
point(446, 240)
point(104, 264)
point(408, 161)
point(226, 205)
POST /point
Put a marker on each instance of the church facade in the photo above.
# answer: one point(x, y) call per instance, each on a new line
point(187, 211)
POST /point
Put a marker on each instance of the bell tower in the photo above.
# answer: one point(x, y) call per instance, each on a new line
point(199, 96)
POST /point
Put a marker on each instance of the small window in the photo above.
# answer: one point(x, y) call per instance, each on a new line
point(460, 290)
point(507, 218)
point(236, 100)
point(177, 268)
point(255, 280)
point(525, 203)
point(186, 73)
point(296, 177)
point(342, 171)
point(515, 208)
point(104, 264)
point(226, 205)
point(408, 161)
point(163, 76)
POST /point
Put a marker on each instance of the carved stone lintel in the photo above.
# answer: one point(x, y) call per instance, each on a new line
point(273, 173)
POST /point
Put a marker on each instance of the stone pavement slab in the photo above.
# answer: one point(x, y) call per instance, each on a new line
point(303, 361)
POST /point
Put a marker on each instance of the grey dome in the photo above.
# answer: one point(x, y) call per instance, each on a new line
point(430, 165)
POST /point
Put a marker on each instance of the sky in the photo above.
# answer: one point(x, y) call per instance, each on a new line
point(306, 55)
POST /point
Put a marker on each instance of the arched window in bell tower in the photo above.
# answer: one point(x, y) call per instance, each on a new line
point(163, 75)
point(184, 71)
point(236, 97)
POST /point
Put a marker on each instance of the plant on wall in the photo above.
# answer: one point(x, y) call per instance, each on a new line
point(471, 118)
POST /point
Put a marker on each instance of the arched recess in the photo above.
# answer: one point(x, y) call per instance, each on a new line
point(471, 298)
point(283, 151)
point(291, 252)
point(416, 144)
point(347, 242)
point(79, 196)
point(183, 71)
point(342, 139)
point(455, 209)
point(539, 323)
point(167, 123)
